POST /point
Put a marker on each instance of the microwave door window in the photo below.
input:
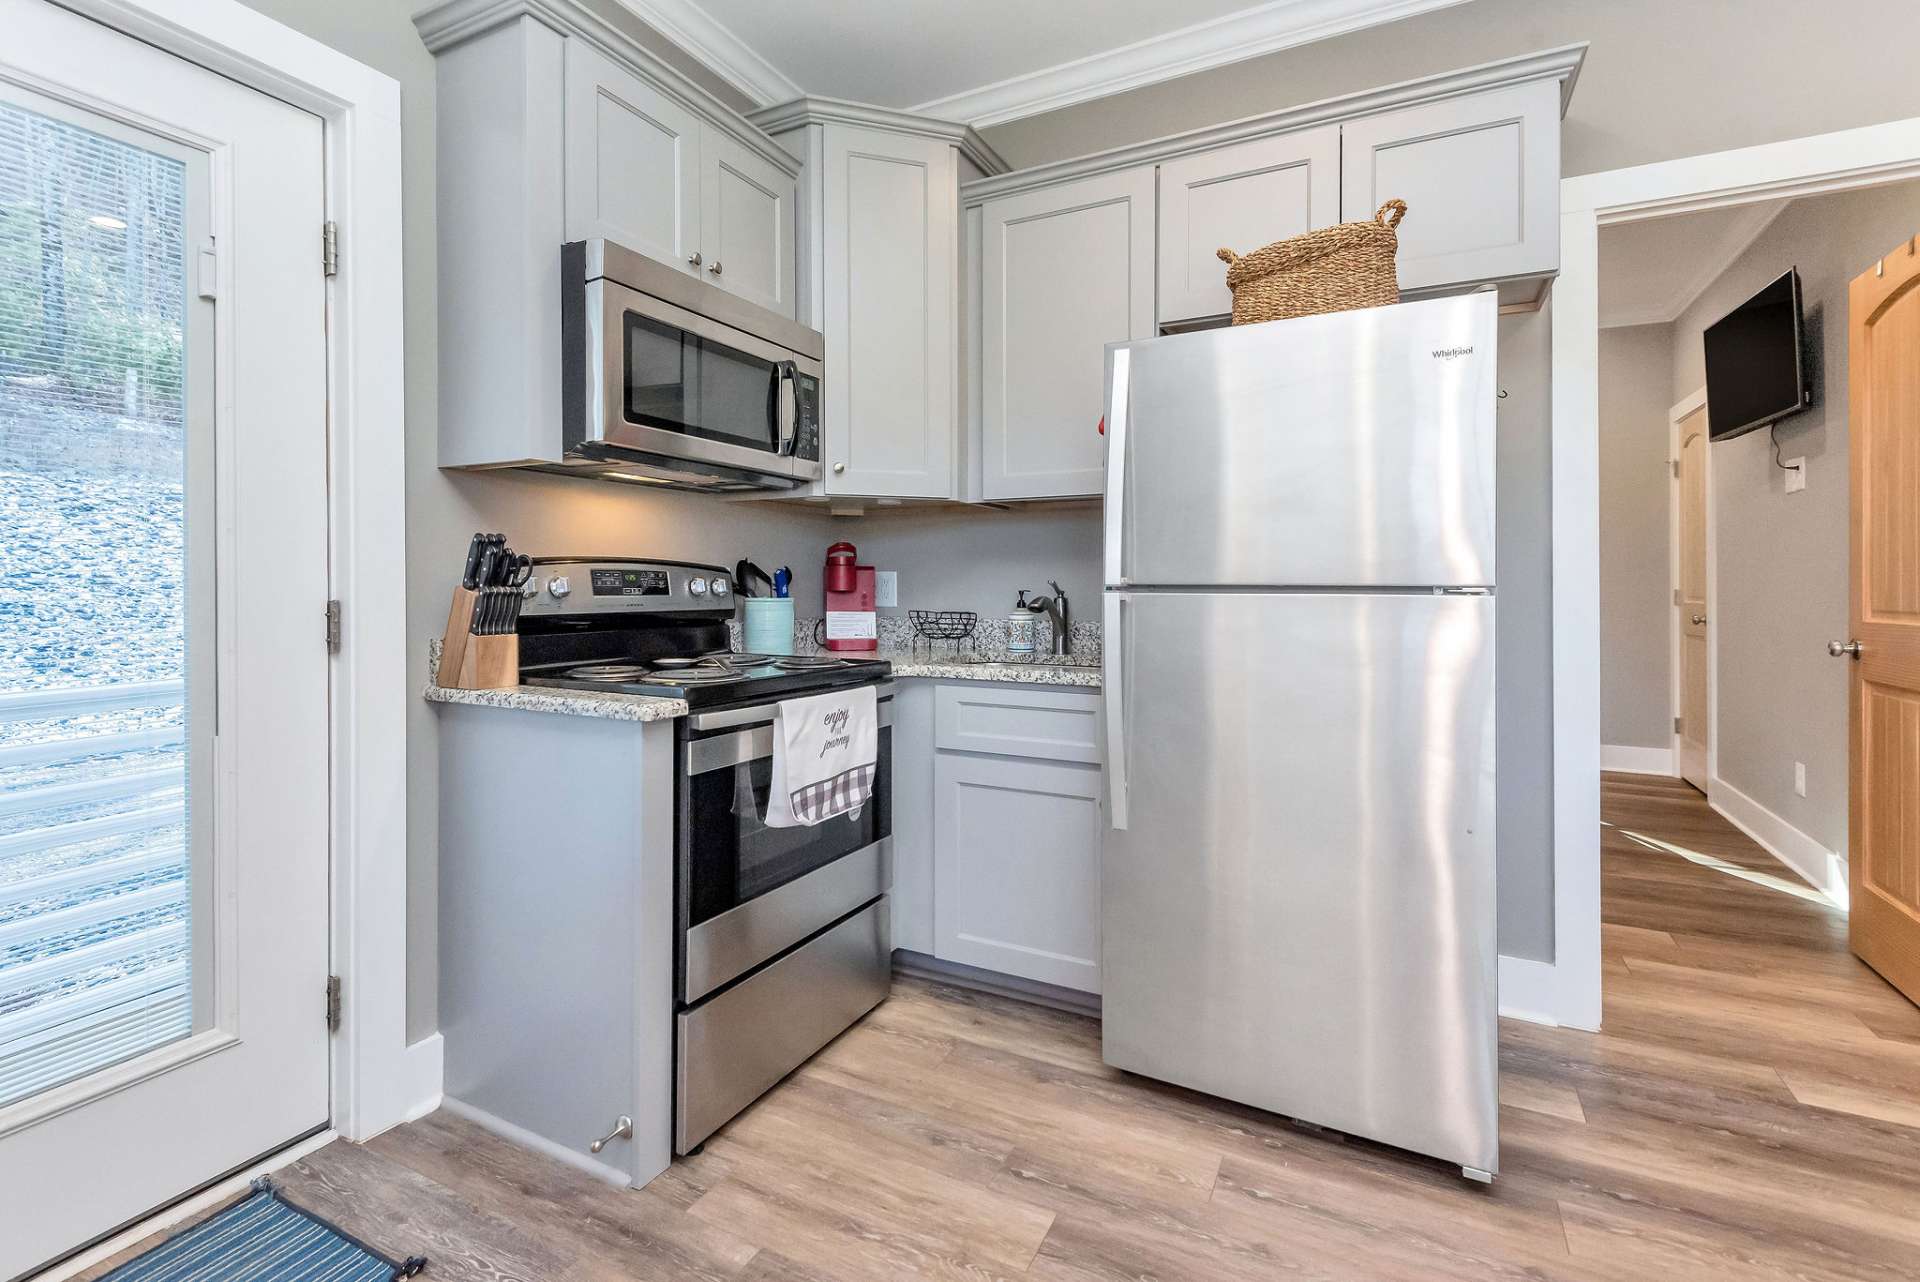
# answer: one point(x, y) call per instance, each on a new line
point(684, 383)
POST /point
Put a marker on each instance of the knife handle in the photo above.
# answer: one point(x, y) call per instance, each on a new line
point(470, 576)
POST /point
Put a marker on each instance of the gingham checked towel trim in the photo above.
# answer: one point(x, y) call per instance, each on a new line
point(847, 791)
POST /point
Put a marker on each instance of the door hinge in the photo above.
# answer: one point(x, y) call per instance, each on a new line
point(1676, 725)
point(1675, 463)
point(333, 1003)
point(330, 247)
point(333, 627)
point(1676, 596)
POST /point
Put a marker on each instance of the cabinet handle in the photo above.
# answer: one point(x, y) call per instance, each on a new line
point(714, 267)
point(622, 1130)
point(695, 260)
point(839, 467)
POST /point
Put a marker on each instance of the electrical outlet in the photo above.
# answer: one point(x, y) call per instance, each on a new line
point(1800, 778)
point(886, 588)
point(1796, 475)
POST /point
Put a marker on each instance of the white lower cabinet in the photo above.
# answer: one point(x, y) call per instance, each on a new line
point(1016, 867)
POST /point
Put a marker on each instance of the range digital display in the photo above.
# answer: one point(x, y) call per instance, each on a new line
point(629, 582)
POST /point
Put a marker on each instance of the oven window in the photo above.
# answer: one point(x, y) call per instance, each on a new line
point(686, 383)
point(732, 857)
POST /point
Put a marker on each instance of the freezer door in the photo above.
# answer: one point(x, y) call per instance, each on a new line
point(1351, 450)
point(1299, 911)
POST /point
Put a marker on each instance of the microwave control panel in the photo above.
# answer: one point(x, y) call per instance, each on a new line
point(806, 426)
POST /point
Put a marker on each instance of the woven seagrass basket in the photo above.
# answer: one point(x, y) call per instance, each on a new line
point(1334, 269)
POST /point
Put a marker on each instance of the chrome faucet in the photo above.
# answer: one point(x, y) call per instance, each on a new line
point(1060, 616)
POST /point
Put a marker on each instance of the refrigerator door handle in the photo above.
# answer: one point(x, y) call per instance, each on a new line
point(1113, 686)
point(1119, 360)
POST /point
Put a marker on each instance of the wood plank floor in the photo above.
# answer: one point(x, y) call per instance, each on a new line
point(1749, 1113)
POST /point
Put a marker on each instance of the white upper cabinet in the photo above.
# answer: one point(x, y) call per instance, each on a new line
point(632, 161)
point(746, 223)
point(1239, 198)
point(890, 289)
point(1065, 270)
point(1481, 178)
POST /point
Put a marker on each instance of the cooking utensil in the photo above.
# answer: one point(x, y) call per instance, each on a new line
point(783, 581)
point(470, 576)
point(744, 573)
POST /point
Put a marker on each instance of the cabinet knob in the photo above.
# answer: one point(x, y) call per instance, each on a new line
point(695, 260)
point(714, 267)
point(839, 467)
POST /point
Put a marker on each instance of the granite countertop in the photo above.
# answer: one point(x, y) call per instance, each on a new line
point(1080, 672)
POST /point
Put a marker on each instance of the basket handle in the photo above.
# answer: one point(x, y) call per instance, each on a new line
point(1399, 208)
point(1226, 256)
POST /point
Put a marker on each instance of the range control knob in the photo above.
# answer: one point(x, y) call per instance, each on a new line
point(697, 587)
point(558, 586)
point(720, 587)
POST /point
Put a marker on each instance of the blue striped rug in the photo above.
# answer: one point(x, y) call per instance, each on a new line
point(264, 1239)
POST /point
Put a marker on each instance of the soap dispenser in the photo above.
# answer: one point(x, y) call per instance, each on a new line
point(1022, 628)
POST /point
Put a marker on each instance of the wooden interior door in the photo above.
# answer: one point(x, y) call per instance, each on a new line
point(1690, 599)
point(1883, 363)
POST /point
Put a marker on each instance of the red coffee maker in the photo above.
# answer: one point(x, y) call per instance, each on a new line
point(851, 623)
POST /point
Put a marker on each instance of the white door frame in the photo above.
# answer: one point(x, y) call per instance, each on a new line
point(1676, 693)
point(1851, 158)
point(377, 1079)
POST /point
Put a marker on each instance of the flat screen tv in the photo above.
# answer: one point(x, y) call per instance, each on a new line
point(1756, 374)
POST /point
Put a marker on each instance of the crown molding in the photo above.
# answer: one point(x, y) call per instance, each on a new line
point(718, 49)
point(1737, 239)
point(1267, 28)
point(454, 22)
point(1562, 64)
point(818, 110)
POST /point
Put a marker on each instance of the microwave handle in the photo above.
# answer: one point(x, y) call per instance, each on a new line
point(788, 398)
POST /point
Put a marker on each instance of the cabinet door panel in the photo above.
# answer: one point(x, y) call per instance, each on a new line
point(1065, 271)
point(632, 159)
point(892, 280)
point(1239, 198)
point(1481, 178)
point(747, 213)
point(1017, 868)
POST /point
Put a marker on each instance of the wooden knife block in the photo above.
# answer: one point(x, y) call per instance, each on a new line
point(468, 662)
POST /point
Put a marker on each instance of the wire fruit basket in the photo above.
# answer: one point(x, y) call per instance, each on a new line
point(944, 625)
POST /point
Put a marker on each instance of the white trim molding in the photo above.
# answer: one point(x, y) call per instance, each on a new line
point(1632, 760)
point(360, 111)
point(1864, 157)
point(717, 48)
point(1825, 870)
point(1236, 37)
point(788, 116)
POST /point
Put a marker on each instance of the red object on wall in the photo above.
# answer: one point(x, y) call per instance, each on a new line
point(851, 621)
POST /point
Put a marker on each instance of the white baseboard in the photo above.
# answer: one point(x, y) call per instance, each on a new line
point(1824, 868)
point(1529, 990)
point(425, 1068)
point(1636, 761)
point(538, 1143)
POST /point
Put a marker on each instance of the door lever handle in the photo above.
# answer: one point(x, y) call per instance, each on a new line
point(623, 1130)
point(1844, 649)
point(1699, 620)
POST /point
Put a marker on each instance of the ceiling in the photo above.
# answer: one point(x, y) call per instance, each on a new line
point(988, 61)
point(1651, 271)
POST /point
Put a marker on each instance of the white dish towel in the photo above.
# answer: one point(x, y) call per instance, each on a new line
point(824, 751)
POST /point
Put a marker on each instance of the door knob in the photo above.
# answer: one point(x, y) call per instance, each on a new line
point(1848, 649)
point(714, 267)
point(623, 1130)
point(695, 260)
point(1699, 620)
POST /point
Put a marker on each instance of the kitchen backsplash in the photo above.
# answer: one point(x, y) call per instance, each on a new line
point(989, 640)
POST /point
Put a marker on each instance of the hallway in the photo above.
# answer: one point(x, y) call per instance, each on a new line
point(1750, 1112)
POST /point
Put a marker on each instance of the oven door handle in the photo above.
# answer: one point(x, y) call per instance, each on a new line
point(723, 752)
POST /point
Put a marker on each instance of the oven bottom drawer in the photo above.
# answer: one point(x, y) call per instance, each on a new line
point(735, 1046)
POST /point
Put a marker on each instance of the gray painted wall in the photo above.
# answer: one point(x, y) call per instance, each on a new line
point(1636, 391)
point(1778, 69)
point(1781, 559)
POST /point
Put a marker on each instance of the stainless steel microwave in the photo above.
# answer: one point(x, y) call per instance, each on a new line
point(669, 380)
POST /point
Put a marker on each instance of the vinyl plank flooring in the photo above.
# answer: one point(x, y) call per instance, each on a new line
point(1750, 1111)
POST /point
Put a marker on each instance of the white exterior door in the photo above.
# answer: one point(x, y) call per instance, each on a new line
point(163, 675)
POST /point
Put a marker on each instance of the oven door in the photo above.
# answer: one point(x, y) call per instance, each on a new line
point(748, 892)
point(674, 384)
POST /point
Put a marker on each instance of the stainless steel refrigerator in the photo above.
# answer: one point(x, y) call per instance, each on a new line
point(1298, 872)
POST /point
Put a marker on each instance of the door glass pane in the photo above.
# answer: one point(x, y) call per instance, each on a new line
point(95, 924)
point(686, 383)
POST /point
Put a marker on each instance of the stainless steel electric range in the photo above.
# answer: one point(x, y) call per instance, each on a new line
point(782, 934)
